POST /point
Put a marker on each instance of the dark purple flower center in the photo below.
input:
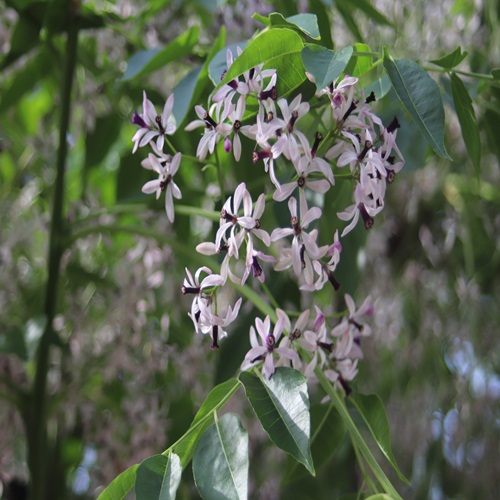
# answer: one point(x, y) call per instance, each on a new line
point(270, 342)
point(138, 120)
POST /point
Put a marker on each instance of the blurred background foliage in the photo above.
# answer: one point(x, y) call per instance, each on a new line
point(128, 374)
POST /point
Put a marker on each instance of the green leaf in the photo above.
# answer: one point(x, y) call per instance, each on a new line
point(420, 95)
point(25, 78)
point(282, 406)
point(147, 61)
point(380, 87)
point(319, 8)
point(467, 120)
point(189, 89)
point(367, 7)
point(218, 64)
point(372, 410)
point(328, 432)
point(325, 65)
point(452, 59)
point(158, 477)
point(184, 93)
point(12, 342)
point(120, 485)
point(278, 48)
point(130, 177)
point(99, 141)
point(220, 463)
point(346, 12)
point(185, 447)
point(306, 23)
point(359, 65)
point(495, 73)
point(24, 37)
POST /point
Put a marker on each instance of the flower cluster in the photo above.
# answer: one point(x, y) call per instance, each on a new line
point(302, 166)
point(309, 343)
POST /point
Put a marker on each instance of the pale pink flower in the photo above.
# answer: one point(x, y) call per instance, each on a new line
point(152, 125)
point(165, 182)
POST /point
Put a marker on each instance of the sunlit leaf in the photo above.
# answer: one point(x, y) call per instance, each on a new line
point(467, 119)
point(219, 394)
point(359, 64)
point(372, 410)
point(220, 463)
point(325, 65)
point(282, 406)
point(120, 485)
point(420, 95)
point(158, 477)
point(279, 49)
point(306, 23)
point(452, 59)
point(147, 61)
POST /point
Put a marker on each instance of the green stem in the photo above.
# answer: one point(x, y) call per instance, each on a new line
point(269, 295)
point(356, 435)
point(141, 207)
point(479, 76)
point(37, 414)
point(257, 301)
point(207, 417)
point(220, 177)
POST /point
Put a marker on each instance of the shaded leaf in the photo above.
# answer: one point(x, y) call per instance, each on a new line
point(12, 342)
point(495, 73)
point(99, 140)
point(452, 59)
point(220, 463)
point(367, 7)
point(189, 89)
point(467, 119)
point(120, 485)
point(420, 95)
point(319, 8)
point(147, 61)
point(279, 49)
point(381, 87)
point(325, 65)
point(282, 406)
point(328, 431)
point(372, 410)
point(130, 178)
point(158, 477)
point(25, 78)
point(306, 23)
point(24, 38)
point(217, 396)
point(346, 12)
